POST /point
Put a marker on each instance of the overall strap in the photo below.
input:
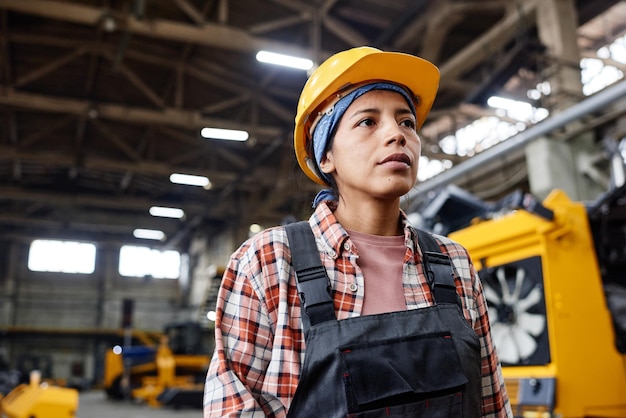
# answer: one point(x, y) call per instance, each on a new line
point(439, 270)
point(311, 278)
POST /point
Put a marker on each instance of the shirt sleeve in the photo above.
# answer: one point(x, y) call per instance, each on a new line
point(495, 400)
point(243, 346)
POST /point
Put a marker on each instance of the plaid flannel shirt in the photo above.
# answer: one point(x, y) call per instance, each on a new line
point(259, 343)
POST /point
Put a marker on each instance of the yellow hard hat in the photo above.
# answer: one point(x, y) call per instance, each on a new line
point(358, 66)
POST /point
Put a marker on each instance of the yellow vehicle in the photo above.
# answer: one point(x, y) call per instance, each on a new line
point(169, 372)
point(554, 276)
point(38, 399)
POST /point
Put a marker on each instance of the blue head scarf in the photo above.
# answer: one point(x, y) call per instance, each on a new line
point(325, 128)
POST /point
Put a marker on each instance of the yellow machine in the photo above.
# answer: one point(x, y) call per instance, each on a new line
point(168, 373)
point(546, 271)
point(39, 400)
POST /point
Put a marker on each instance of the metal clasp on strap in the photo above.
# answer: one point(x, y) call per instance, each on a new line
point(441, 277)
point(314, 287)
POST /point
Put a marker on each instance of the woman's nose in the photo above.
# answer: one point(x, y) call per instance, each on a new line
point(395, 134)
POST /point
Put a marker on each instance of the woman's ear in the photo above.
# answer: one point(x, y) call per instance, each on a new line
point(326, 165)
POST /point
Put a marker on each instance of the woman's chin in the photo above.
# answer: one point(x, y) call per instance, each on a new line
point(394, 190)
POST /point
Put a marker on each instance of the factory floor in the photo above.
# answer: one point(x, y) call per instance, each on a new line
point(95, 404)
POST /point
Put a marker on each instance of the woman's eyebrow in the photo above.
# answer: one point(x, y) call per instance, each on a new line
point(403, 111)
point(366, 110)
point(398, 111)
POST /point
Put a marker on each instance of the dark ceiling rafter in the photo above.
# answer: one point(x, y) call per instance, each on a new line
point(209, 34)
point(142, 78)
point(155, 98)
point(169, 116)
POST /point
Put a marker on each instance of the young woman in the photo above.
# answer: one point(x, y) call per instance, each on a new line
point(392, 340)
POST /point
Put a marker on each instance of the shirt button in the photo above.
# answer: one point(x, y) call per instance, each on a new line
point(353, 287)
point(346, 246)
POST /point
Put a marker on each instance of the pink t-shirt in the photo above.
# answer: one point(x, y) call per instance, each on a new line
point(381, 259)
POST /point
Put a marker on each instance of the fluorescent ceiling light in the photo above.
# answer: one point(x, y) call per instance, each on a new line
point(228, 134)
point(284, 60)
point(166, 212)
point(190, 180)
point(508, 104)
point(149, 234)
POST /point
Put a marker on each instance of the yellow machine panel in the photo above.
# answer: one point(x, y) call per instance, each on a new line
point(169, 372)
point(548, 309)
point(40, 400)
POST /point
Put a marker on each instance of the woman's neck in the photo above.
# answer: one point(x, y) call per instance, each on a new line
point(374, 217)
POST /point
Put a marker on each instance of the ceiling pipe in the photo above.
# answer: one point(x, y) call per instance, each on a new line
point(589, 105)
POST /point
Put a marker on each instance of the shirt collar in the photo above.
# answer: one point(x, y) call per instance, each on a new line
point(325, 226)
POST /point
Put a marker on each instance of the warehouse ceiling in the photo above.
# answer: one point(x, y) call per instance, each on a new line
point(101, 100)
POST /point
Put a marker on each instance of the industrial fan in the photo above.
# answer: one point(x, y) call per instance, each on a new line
point(517, 312)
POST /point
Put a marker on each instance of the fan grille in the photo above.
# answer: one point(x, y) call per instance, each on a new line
point(517, 312)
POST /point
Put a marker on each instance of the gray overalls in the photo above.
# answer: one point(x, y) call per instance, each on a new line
point(416, 363)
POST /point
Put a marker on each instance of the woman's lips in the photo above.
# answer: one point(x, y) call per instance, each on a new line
point(397, 159)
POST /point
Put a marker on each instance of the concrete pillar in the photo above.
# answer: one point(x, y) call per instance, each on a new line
point(200, 270)
point(551, 163)
point(557, 164)
point(11, 285)
point(618, 154)
point(107, 266)
point(557, 23)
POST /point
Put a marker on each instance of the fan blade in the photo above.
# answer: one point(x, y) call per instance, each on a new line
point(507, 347)
point(524, 342)
point(491, 295)
point(493, 315)
point(498, 333)
point(519, 280)
point(504, 285)
point(533, 298)
point(534, 324)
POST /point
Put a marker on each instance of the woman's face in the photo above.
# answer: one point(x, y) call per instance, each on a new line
point(376, 149)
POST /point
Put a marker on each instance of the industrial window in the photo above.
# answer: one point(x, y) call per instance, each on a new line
point(147, 262)
point(62, 256)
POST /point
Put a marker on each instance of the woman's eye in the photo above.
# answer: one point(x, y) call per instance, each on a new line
point(408, 123)
point(366, 122)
